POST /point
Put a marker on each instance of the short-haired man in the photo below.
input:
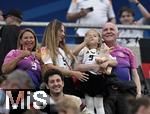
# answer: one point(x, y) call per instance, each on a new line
point(55, 82)
point(126, 67)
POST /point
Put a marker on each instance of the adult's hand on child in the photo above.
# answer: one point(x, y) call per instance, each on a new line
point(80, 75)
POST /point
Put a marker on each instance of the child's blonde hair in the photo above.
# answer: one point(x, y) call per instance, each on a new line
point(99, 35)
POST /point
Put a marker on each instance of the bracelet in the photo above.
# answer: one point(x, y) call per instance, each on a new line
point(137, 3)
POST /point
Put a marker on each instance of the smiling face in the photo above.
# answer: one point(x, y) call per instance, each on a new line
point(110, 33)
point(55, 84)
point(27, 41)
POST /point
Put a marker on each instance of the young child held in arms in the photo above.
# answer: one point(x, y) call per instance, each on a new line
point(95, 60)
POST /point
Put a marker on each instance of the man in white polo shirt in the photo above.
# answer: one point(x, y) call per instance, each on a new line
point(93, 12)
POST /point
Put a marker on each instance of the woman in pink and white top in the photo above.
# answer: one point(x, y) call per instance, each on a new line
point(24, 58)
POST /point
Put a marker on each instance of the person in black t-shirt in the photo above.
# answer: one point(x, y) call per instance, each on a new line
point(9, 33)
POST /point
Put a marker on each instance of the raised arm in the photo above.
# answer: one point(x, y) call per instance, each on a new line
point(74, 13)
point(79, 47)
point(113, 20)
point(142, 9)
point(111, 14)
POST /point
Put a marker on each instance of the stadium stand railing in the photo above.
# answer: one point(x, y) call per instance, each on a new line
point(144, 47)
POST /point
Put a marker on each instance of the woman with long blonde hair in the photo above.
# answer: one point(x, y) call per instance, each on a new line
point(56, 55)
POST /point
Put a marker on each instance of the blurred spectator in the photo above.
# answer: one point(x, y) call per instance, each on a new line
point(127, 18)
point(93, 12)
point(24, 57)
point(68, 106)
point(55, 83)
point(15, 81)
point(13, 17)
point(140, 105)
point(9, 33)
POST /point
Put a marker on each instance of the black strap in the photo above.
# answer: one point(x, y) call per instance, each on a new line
point(65, 60)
